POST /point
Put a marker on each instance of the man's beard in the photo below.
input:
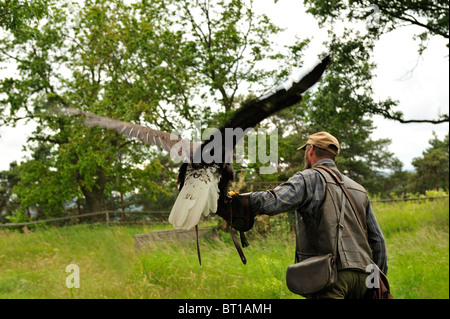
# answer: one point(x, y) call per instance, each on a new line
point(307, 163)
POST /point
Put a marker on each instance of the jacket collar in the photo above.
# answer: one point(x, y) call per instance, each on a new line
point(325, 162)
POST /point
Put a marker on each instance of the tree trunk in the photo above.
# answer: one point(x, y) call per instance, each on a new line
point(94, 201)
point(94, 196)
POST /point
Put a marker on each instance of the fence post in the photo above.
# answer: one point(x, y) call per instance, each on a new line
point(107, 218)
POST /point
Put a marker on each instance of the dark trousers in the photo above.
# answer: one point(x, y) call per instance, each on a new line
point(350, 285)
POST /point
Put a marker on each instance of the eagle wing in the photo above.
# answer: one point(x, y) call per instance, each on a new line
point(253, 112)
point(171, 143)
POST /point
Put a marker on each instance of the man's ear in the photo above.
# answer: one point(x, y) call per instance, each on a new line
point(311, 150)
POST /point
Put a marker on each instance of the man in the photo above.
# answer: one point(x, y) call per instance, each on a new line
point(317, 199)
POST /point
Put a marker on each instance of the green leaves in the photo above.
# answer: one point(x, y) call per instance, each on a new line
point(232, 48)
point(17, 15)
point(433, 167)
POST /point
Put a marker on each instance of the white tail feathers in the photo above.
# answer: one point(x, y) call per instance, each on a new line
point(198, 196)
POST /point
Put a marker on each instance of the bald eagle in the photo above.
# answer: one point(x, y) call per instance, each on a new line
point(201, 182)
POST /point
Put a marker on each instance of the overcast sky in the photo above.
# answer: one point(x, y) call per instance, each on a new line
point(420, 84)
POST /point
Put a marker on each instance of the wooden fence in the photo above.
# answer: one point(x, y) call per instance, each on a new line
point(155, 217)
point(110, 218)
point(406, 199)
point(145, 240)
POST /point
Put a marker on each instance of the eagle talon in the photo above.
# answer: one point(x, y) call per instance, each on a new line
point(229, 197)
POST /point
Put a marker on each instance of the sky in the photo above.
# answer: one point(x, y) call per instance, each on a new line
point(419, 84)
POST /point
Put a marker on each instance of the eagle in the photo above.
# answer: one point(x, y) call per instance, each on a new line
point(201, 182)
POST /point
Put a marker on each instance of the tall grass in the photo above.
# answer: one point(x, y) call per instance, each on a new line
point(417, 236)
point(33, 265)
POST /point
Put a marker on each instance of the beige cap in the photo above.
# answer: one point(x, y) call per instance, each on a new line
point(325, 141)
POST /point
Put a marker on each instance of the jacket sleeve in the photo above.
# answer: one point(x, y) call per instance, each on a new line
point(305, 191)
point(376, 240)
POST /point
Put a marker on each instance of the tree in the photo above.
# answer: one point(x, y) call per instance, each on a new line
point(95, 64)
point(16, 14)
point(8, 179)
point(143, 62)
point(383, 16)
point(432, 169)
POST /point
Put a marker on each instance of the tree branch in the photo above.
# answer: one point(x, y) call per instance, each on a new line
point(424, 121)
point(48, 139)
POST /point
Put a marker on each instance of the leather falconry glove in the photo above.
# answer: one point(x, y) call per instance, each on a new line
point(235, 209)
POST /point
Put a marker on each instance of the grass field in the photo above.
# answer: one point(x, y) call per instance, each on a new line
point(34, 265)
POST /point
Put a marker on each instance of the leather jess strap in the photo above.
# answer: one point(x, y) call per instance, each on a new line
point(233, 236)
point(236, 243)
point(198, 246)
point(344, 189)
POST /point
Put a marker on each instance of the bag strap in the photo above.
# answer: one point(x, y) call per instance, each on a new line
point(340, 226)
point(344, 189)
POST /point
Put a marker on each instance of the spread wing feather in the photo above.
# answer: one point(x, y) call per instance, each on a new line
point(173, 144)
point(253, 112)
